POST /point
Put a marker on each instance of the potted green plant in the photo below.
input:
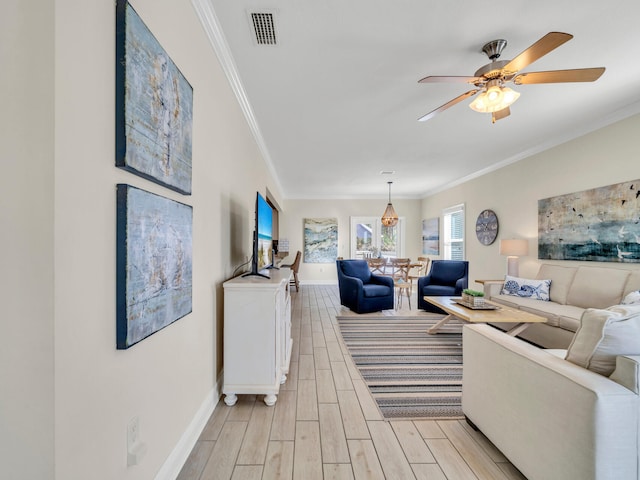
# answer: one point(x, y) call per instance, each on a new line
point(473, 297)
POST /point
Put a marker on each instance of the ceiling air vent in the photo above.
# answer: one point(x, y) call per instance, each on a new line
point(264, 28)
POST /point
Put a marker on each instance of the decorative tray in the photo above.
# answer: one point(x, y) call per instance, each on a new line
point(486, 306)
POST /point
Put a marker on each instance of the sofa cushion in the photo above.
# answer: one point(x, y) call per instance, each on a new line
point(597, 287)
point(358, 269)
point(508, 300)
point(561, 278)
point(438, 291)
point(527, 288)
point(570, 323)
point(632, 298)
point(447, 272)
point(633, 282)
point(563, 316)
point(603, 335)
point(529, 305)
point(374, 290)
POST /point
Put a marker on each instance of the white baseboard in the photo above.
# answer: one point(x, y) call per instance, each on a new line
point(175, 461)
point(319, 282)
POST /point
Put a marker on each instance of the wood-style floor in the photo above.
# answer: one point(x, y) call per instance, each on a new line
point(326, 425)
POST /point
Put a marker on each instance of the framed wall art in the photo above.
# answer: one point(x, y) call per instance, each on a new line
point(431, 236)
point(153, 263)
point(154, 106)
point(601, 224)
point(320, 240)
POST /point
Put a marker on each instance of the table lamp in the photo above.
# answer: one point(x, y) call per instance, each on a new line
point(513, 248)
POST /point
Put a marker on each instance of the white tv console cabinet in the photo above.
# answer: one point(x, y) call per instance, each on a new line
point(257, 335)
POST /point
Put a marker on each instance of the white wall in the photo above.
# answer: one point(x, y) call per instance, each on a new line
point(67, 393)
point(26, 243)
point(604, 157)
point(296, 210)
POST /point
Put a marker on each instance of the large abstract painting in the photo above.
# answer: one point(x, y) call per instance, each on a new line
point(431, 236)
point(601, 224)
point(320, 240)
point(154, 263)
point(154, 106)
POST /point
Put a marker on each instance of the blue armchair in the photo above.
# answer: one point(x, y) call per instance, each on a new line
point(446, 278)
point(362, 291)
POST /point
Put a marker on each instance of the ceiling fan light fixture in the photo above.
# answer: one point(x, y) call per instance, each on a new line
point(494, 98)
point(389, 217)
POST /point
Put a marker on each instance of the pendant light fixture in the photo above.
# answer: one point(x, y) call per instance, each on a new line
point(389, 217)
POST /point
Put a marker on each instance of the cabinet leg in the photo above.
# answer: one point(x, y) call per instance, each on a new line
point(270, 400)
point(283, 379)
point(230, 399)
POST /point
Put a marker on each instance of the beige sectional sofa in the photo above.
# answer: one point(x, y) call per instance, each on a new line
point(573, 289)
point(553, 419)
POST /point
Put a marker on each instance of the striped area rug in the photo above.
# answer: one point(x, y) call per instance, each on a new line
point(410, 373)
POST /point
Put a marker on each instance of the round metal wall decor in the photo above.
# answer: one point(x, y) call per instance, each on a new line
point(487, 227)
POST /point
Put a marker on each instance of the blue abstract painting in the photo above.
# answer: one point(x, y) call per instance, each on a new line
point(601, 224)
point(154, 106)
point(154, 263)
point(431, 236)
point(320, 240)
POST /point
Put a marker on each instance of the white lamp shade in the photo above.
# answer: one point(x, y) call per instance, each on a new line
point(514, 247)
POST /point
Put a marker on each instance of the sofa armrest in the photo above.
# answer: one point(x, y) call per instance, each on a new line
point(461, 284)
point(627, 372)
point(513, 390)
point(492, 288)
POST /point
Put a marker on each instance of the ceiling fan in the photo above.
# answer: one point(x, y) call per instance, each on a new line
point(490, 80)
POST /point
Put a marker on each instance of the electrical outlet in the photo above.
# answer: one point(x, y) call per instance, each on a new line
point(133, 432)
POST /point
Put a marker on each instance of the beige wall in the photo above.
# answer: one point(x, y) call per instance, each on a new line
point(295, 211)
point(67, 393)
point(600, 158)
point(26, 243)
point(604, 157)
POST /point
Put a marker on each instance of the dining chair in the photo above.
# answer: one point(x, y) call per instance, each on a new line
point(400, 274)
point(377, 265)
point(294, 271)
point(418, 269)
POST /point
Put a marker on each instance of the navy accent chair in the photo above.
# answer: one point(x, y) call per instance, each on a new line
point(447, 278)
point(362, 291)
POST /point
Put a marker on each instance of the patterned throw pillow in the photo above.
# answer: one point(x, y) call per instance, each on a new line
point(633, 298)
point(524, 287)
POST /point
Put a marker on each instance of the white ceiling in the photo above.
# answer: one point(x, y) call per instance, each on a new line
point(336, 101)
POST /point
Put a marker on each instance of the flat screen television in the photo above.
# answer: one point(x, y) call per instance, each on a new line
point(262, 238)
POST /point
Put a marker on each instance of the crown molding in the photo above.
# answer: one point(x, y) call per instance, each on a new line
point(617, 116)
point(209, 20)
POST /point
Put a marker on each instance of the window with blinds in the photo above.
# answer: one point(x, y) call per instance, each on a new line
point(453, 223)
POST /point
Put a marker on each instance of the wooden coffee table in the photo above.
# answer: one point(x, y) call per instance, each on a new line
point(502, 314)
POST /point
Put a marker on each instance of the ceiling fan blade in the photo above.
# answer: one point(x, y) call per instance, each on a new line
point(449, 79)
point(546, 44)
point(449, 104)
point(500, 114)
point(560, 76)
